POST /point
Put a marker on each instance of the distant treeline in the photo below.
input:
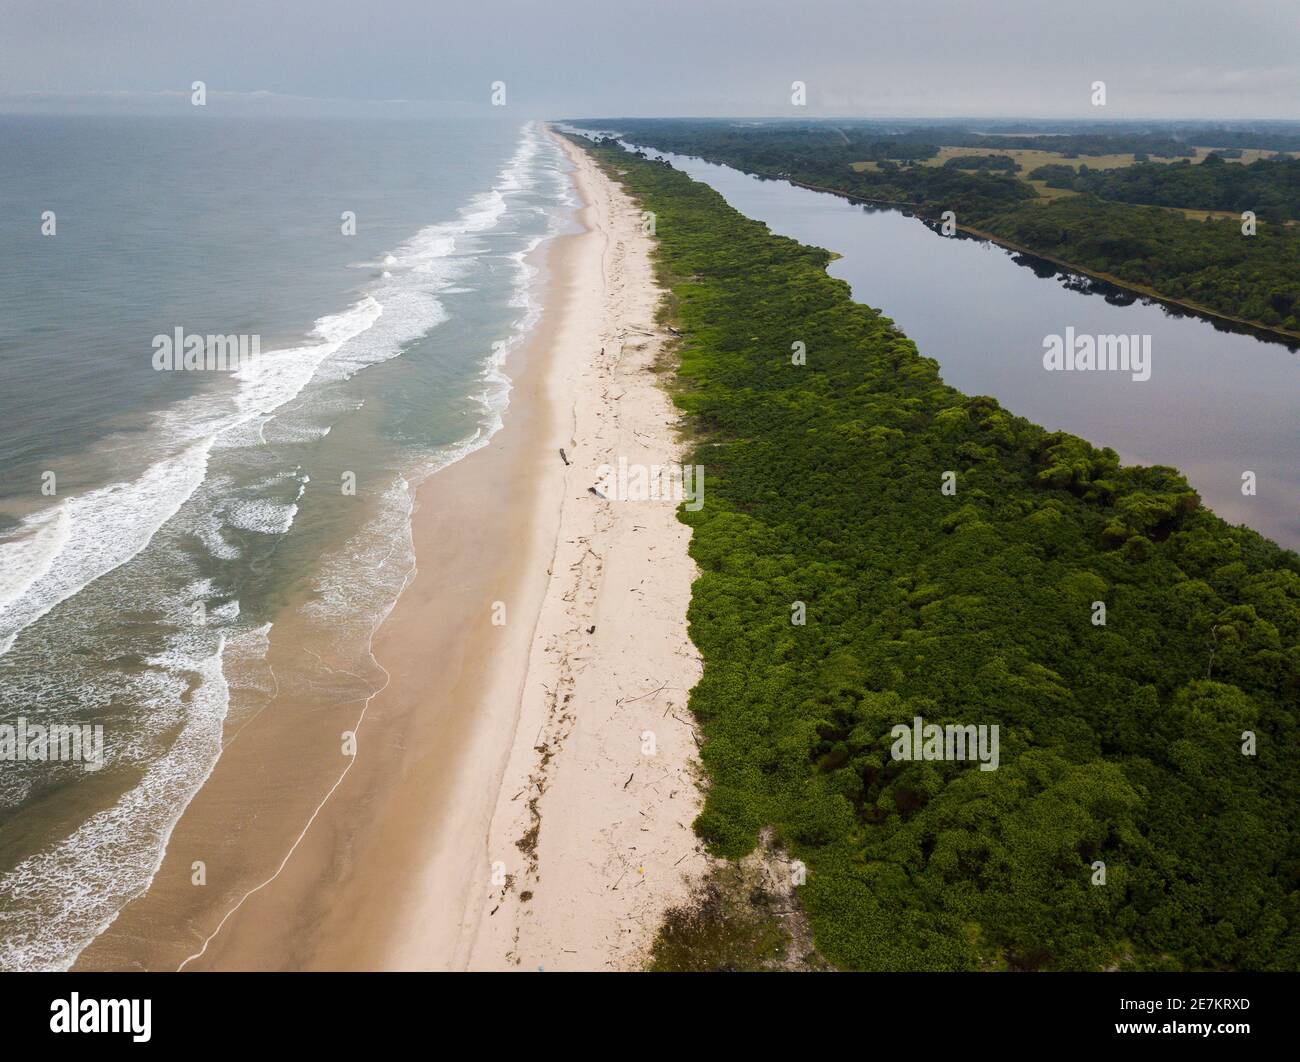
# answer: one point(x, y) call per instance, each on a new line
point(1212, 264)
point(1121, 744)
point(846, 142)
point(1269, 187)
point(864, 139)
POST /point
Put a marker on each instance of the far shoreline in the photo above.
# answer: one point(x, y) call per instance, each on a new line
point(1254, 328)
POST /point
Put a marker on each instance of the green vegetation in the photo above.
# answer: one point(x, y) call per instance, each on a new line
point(996, 163)
point(1119, 743)
point(742, 918)
point(1269, 187)
point(1032, 159)
point(1208, 263)
point(856, 139)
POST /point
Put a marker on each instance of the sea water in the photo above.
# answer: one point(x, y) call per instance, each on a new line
point(153, 524)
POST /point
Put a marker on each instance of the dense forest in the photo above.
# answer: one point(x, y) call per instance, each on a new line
point(921, 138)
point(1121, 744)
point(1209, 263)
point(1269, 187)
point(857, 140)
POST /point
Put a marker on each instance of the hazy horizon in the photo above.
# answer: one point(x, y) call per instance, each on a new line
point(661, 58)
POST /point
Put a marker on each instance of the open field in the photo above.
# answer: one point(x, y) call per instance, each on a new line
point(1248, 155)
point(1031, 158)
point(1046, 194)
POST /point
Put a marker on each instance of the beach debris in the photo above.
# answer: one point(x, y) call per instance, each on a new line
point(629, 779)
point(593, 490)
point(591, 629)
point(644, 695)
point(563, 456)
point(673, 330)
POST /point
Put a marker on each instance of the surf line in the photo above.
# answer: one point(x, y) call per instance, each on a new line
point(388, 678)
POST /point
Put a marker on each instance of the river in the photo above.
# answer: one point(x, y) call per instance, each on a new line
point(1218, 403)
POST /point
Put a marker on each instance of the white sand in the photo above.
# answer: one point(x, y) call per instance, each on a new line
point(614, 846)
point(483, 733)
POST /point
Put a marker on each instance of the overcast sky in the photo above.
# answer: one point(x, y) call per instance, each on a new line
point(593, 58)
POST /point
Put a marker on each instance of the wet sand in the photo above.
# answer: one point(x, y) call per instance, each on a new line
point(403, 863)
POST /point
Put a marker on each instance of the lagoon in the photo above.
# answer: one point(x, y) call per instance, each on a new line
point(1221, 401)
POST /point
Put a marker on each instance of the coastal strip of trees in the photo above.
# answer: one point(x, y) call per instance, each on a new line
point(877, 546)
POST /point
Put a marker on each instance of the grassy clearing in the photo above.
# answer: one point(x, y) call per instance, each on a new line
point(1248, 155)
point(1032, 158)
point(1046, 194)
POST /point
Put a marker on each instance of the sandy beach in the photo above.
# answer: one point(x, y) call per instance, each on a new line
point(523, 787)
point(588, 838)
point(599, 791)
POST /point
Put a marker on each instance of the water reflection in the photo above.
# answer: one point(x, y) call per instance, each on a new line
point(1223, 398)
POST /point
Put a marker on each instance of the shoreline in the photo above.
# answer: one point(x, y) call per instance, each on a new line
point(593, 827)
point(1196, 309)
point(320, 896)
point(393, 868)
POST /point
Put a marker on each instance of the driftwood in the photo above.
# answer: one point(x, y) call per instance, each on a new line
point(593, 490)
point(563, 456)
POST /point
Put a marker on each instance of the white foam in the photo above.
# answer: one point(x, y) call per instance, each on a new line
point(67, 894)
point(71, 891)
point(102, 529)
point(29, 558)
point(208, 528)
point(264, 517)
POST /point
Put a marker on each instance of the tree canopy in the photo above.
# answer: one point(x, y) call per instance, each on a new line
point(1121, 744)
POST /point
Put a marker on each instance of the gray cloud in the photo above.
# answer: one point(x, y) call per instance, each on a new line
point(1178, 58)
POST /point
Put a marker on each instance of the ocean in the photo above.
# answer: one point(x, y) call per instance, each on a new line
point(157, 523)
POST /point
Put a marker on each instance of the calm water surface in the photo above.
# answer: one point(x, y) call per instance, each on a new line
point(1218, 402)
